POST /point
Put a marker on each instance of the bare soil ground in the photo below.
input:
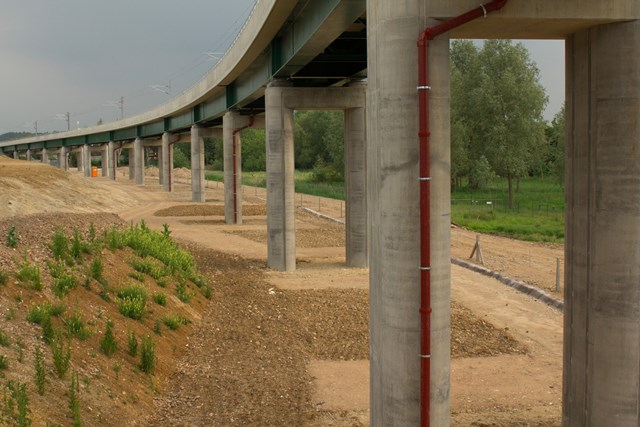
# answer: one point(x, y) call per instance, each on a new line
point(273, 348)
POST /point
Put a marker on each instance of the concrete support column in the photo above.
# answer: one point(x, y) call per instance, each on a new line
point(355, 163)
point(280, 180)
point(232, 166)
point(166, 162)
point(138, 161)
point(105, 159)
point(602, 242)
point(112, 166)
point(197, 165)
point(394, 211)
point(28, 155)
point(132, 166)
point(45, 155)
point(86, 160)
point(62, 159)
point(160, 169)
point(15, 155)
point(79, 159)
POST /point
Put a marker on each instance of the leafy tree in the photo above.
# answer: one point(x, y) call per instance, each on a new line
point(496, 109)
point(319, 135)
point(556, 140)
point(253, 150)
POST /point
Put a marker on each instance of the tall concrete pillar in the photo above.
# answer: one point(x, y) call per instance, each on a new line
point(197, 165)
point(45, 155)
point(29, 155)
point(166, 162)
point(393, 206)
point(132, 164)
point(355, 164)
point(602, 242)
point(79, 159)
point(62, 158)
point(86, 160)
point(112, 164)
point(105, 158)
point(281, 254)
point(160, 169)
point(232, 166)
point(138, 161)
point(15, 155)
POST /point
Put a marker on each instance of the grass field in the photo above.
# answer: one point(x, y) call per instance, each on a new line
point(537, 214)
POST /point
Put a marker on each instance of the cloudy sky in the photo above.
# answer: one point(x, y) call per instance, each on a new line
point(78, 56)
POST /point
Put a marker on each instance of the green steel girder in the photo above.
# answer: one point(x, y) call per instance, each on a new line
point(75, 141)
point(36, 145)
point(181, 121)
point(152, 129)
point(124, 134)
point(99, 138)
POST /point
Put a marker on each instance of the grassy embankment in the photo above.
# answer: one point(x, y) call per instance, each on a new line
point(537, 214)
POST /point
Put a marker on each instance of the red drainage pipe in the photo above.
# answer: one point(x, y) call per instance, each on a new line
point(425, 195)
point(235, 168)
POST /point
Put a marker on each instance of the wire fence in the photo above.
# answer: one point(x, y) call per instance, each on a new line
point(532, 207)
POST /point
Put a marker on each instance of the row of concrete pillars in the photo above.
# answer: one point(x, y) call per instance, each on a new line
point(281, 101)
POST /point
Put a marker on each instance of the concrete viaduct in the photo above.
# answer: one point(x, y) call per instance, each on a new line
point(361, 57)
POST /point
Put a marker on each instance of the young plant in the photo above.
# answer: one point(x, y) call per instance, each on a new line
point(4, 339)
point(40, 372)
point(74, 401)
point(61, 354)
point(147, 355)
point(132, 344)
point(165, 231)
point(174, 322)
point(60, 246)
point(30, 274)
point(76, 327)
point(12, 237)
point(16, 404)
point(132, 301)
point(160, 299)
point(183, 293)
point(108, 343)
point(157, 327)
point(4, 276)
point(76, 246)
point(92, 232)
point(96, 268)
point(63, 280)
point(4, 362)
point(136, 276)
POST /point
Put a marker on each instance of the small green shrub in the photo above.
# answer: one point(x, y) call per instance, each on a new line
point(74, 401)
point(92, 232)
point(16, 404)
point(132, 301)
point(56, 310)
point(183, 293)
point(76, 326)
point(12, 237)
point(96, 269)
point(30, 274)
point(174, 322)
point(64, 284)
point(114, 239)
point(4, 339)
point(76, 246)
point(147, 355)
point(132, 344)
point(40, 371)
point(162, 283)
point(38, 313)
point(4, 277)
point(136, 276)
point(199, 280)
point(61, 354)
point(144, 266)
point(165, 231)
point(60, 245)
point(208, 293)
point(157, 327)
point(48, 333)
point(108, 343)
point(160, 299)
point(4, 362)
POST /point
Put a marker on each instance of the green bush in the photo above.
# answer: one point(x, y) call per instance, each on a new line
point(136, 276)
point(64, 284)
point(160, 299)
point(183, 293)
point(30, 274)
point(96, 269)
point(12, 237)
point(147, 355)
point(60, 245)
point(40, 371)
point(108, 343)
point(16, 404)
point(61, 354)
point(132, 344)
point(174, 322)
point(4, 339)
point(132, 301)
point(4, 277)
point(74, 401)
point(76, 327)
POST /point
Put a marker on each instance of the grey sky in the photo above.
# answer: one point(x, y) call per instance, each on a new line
point(76, 56)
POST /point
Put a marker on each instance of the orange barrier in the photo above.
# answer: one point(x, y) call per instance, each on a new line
point(94, 171)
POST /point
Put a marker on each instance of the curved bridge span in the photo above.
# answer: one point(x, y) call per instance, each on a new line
point(312, 54)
